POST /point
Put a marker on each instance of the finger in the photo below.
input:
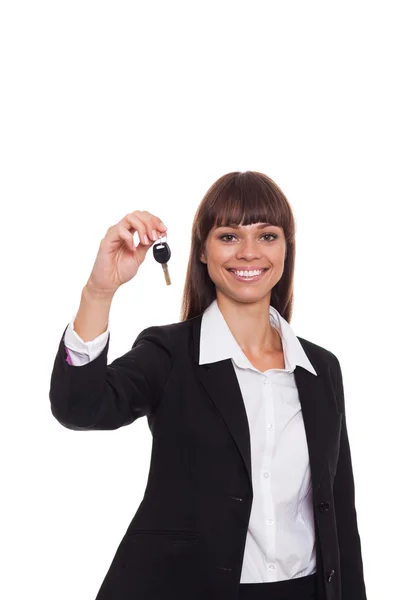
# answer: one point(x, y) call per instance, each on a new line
point(158, 228)
point(137, 224)
point(127, 236)
point(152, 222)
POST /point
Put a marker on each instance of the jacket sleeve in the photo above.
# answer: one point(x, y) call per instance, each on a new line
point(100, 396)
point(351, 564)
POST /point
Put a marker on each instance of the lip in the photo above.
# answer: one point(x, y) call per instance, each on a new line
point(247, 279)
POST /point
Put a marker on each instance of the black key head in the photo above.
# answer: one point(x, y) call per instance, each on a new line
point(162, 252)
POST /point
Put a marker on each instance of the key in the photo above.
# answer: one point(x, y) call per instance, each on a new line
point(162, 254)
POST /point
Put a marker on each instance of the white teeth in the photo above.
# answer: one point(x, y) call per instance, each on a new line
point(248, 273)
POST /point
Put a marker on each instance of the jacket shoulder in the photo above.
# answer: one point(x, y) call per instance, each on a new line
point(166, 335)
point(319, 353)
point(170, 329)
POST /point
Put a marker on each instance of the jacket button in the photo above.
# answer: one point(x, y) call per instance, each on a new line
point(331, 575)
point(324, 506)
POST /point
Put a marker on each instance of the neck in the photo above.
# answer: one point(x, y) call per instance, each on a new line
point(250, 325)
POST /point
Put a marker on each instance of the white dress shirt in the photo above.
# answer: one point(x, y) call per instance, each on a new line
point(280, 541)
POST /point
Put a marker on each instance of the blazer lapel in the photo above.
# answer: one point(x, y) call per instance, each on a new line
point(320, 416)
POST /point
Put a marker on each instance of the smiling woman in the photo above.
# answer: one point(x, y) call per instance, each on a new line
point(248, 420)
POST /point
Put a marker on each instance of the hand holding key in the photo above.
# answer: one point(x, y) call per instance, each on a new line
point(118, 259)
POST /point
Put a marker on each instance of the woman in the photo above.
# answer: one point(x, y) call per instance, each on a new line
point(250, 491)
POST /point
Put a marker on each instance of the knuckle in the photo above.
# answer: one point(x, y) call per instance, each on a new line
point(134, 219)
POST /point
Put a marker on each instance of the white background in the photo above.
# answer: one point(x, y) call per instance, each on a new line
point(109, 107)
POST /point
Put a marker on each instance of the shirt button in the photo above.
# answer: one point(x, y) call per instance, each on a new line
point(266, 380)
point(270, 521)
point(266, 474)
point(272, 567)
point(270, 426)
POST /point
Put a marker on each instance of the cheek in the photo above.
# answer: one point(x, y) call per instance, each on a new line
point(220, 254)
point(217, 256)
point(215, 265)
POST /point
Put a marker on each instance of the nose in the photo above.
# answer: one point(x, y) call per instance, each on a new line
point(248, 249)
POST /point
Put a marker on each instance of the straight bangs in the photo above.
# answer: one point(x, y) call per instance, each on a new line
point(247, 199)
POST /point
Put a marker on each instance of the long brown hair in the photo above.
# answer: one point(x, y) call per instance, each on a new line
point(240, 198)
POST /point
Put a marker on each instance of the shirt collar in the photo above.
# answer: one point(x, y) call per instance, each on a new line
point(214, 327)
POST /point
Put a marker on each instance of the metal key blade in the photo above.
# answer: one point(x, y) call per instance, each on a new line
point(166, 273)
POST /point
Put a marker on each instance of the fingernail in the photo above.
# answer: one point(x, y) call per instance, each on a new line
point(154, 234)
point(146, 239)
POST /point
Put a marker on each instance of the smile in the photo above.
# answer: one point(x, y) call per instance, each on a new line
point(253, 275)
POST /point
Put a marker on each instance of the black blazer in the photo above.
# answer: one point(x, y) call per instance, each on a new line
point(187, 538)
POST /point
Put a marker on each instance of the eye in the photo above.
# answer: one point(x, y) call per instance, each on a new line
point(226, 235)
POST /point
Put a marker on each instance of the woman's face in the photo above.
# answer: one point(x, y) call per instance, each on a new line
point(245, 247)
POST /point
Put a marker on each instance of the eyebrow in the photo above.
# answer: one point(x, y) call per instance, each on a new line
point(260, 226)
